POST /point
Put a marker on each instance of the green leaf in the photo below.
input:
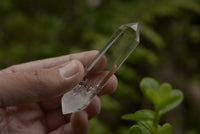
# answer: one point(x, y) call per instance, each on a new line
point(165, 90)
point(175, 98)
point(166, 129)
point(149, 83)
point(153, 97)
point(140, 115)
point(136, 129)
point(165, 86)
point(147, 124)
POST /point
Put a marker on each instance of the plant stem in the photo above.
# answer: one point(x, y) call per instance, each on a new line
point(156, 121)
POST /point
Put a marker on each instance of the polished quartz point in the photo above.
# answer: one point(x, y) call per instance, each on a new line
point(111, 57)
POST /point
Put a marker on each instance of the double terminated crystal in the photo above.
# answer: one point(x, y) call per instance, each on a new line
point(111, 57)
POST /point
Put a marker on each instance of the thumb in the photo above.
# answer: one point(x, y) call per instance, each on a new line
point(25, 87)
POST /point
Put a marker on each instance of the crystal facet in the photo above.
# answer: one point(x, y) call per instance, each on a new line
point(111, 57)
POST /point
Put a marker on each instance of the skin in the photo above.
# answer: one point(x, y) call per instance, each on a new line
point(30, 96)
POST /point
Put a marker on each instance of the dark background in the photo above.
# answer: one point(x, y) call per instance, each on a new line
point(169, 49)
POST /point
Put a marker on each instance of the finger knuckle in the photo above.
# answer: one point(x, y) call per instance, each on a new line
point(39, 82)
point(11, 69)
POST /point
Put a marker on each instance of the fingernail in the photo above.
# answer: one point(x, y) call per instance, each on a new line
point(69, 70)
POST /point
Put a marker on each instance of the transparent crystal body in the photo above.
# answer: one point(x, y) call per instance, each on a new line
point(111, 57)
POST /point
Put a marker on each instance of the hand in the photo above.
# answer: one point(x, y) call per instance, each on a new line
point(30, 96)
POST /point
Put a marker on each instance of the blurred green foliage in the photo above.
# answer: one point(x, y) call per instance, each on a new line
point(169, 48)
point(164, 98)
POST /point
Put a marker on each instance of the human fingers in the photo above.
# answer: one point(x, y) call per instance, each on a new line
point(110, 86)
point(78, 124)
point(51, 104)
point(23, 87)
point(92, 110)
point(54, 119)
point(84, 57)
point(94, 107)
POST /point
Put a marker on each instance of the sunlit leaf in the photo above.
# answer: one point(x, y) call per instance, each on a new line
point(147, 124)
point(153, 96)
point(149, 83)
point(136, 129)
point(140, 115)
point(165, 129)
point(171, 102)
point(165, 90)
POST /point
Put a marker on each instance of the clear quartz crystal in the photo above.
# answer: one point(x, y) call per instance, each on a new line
point(111, 57)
